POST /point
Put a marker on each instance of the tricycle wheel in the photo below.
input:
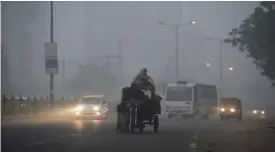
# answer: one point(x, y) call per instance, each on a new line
point(132, 119)
point(156, 123)
point(141, 129)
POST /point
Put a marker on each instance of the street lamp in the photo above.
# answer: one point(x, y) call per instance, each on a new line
point(221, 41)
point(176, 27)
point(208, 64)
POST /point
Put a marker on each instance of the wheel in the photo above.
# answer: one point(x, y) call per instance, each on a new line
point(141, 125)
point(222, 118)
point(106, 116)
point(156, 123)
point(132, 119)
point(141, 129)
point(191, 117)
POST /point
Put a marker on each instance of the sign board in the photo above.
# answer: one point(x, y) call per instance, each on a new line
point(51, 62)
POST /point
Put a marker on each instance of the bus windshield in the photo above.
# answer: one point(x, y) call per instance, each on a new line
point(179, 94)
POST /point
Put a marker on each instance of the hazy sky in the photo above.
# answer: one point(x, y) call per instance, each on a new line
point(86, 31)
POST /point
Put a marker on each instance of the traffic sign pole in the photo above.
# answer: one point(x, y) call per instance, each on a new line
point(52, 49)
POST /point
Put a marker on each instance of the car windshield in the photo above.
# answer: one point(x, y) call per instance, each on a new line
point(91, 100)
point(179, 94)
point(229, 102)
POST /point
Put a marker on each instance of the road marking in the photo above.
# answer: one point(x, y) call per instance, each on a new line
point(194, 137)
point(36, 143)
point(43, 142)
point(62, 137)
point(193, 142)
point(193, 145)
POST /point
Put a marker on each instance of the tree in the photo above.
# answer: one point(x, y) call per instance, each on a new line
point(92, 79)
point(256, 37)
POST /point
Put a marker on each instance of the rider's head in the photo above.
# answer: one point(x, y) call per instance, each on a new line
point(144, 72)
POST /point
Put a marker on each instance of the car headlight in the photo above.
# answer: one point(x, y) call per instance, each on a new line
point(222, 109)
point(255, 111)
point(262, 112)
point(77, 113)
point(232, 110)
point(79, 108)
point(95, 108)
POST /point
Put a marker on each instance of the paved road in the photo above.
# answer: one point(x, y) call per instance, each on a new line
point(246, 136)
point(96, 135)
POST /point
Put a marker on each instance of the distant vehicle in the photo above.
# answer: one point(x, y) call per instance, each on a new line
point(189, 99)
point(230, 108)
point(95, 106)
point(259, 112)
point(206, 99)
point(17, 98)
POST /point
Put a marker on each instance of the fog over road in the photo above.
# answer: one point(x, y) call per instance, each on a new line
point(96, 135)
point(77, 135)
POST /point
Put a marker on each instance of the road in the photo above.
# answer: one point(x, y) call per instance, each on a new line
point(177, 135)
point(95, 135)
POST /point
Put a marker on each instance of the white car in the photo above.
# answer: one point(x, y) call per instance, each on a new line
point(95, 106)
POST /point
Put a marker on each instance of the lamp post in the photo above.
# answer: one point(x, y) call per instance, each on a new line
point(176, 27)
point(221, 41)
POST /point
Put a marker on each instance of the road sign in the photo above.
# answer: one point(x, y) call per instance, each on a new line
point(51, 62)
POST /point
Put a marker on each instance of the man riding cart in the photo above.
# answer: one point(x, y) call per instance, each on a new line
point(150, 106)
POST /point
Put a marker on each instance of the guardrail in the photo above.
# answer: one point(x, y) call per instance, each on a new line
point(23, 106)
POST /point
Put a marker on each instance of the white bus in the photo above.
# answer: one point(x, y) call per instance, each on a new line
point(189, 100)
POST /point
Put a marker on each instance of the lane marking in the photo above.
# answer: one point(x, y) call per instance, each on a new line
point(193, 142)
point(36, 143)
point(193, 145)
point(62, 137)
point(43, 142)
point(195, 137)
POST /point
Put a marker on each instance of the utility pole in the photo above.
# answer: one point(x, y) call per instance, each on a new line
point(51, 41)
point(221, 68)
point(220, 90)
point(177, 51)
point(118, 56)
point(63, 73)
point(176, 27)
point(180, 4)
point(108, 63)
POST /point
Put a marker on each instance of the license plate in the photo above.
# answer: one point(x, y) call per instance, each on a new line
point(89, 112)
